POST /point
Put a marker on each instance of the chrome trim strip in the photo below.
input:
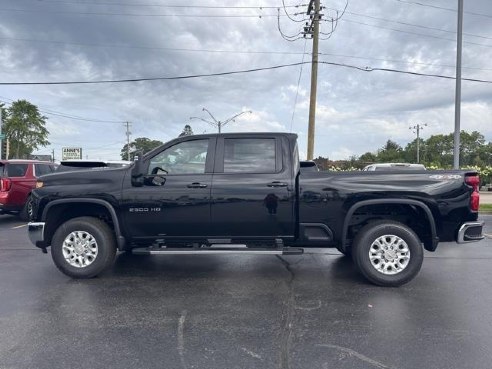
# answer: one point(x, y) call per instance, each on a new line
point(464, 227)
point(145, 251)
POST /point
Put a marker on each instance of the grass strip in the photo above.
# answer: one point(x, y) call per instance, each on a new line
point(485, 208)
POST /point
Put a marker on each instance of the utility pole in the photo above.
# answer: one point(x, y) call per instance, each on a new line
point(314, 76)
point(416, 129)
point(128, 124)
point(53, 155)
point(219, 124)
point(312, 30)
point(457, 99)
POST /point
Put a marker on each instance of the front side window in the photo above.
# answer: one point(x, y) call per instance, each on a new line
point(249, 155)
point(187, 157)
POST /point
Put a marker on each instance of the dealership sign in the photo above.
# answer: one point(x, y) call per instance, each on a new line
point(69, 153)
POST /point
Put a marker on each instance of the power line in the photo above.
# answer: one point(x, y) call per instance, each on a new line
point(65, 115)
point(184, 15)
point(156, 5)
point(234, 52)
point(151, 47)
point(402, 61)
point(441, 8)
point(412, 24)
point(412, 33)
point(244, 71)
point(298, 84)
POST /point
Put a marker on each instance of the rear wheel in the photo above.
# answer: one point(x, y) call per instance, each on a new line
point(388, 253)
point(83, 247)
point(27, 211)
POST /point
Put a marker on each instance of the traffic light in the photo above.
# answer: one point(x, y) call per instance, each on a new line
point(5, 148)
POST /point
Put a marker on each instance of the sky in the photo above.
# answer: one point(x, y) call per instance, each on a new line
point(357, 110)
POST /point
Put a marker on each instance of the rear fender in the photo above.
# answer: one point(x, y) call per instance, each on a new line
point(430, 218)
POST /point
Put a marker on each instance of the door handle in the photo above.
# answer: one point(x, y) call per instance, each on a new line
point(277, 184)
point(197, 185)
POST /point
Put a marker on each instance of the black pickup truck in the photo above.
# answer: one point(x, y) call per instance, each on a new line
point(245, 193)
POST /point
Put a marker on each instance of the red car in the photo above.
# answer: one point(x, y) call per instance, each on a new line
point(17, 179)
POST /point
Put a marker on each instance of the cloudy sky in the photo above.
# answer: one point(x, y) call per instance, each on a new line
point(92, 40)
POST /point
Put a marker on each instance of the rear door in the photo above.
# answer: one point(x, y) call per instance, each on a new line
point(22, 182)
point(252, 188)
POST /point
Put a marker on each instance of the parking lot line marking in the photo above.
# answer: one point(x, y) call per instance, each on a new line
point(20, 226)
point(488, 235)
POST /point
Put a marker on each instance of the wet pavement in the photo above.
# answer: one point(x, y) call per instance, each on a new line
point(243, 311)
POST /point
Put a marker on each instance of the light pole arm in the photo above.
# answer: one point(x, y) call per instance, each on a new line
point(206, 121)
point(231, 119)
point(215, 120)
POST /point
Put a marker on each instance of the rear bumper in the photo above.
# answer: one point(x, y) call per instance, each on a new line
point(35, 231)
point(470, 232)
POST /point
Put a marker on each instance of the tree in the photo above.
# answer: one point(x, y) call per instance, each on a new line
point(410, 151)
point(24, 126)
point(390, 152)
point(470, 144)
point(439, 151)
point(367, 158)
point(141, 143)
point(187, 131)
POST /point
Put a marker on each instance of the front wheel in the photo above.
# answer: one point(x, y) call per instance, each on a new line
point(388, 253)
point(83, 247)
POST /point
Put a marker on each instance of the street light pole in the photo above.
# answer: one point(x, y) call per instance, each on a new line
point(217, 123)
point(457, 99)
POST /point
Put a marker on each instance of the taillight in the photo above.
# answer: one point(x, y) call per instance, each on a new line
point(5, 184)
point(474, 182)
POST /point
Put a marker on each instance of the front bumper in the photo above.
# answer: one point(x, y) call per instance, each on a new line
point(470, 232)
point(36, 233)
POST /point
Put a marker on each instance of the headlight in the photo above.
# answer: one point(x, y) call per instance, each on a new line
point(39, 184)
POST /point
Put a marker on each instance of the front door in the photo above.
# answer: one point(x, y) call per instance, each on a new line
point(174, 201)
point(252, 189)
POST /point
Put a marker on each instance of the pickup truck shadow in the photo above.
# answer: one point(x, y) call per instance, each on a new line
point(308, 267)
point(10, 219)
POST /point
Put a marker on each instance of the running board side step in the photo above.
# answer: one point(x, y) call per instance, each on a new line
point(210, 251)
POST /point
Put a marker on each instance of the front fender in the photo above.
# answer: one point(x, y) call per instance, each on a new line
point(120, 239)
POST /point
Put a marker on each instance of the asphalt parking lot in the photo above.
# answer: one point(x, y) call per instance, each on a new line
point(214, 311)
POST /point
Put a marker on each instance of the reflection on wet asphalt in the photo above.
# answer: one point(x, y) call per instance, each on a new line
point(247, 311)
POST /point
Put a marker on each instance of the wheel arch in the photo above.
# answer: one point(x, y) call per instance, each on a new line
point(430, 243)
point(62, 210)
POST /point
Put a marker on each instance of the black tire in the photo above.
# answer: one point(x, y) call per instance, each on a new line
point(27, 211)
point(385, 271)
point(92, 230)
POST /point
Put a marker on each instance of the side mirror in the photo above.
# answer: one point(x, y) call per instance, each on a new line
point(137, 170)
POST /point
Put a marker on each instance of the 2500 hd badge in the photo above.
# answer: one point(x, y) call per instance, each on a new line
point(144, 210)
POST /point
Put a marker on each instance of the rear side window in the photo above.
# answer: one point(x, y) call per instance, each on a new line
point(16, 170)
point(42, 169)
point(249, 155)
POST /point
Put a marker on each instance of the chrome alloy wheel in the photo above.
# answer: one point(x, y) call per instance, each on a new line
point(389, 254)
point(80, 249)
